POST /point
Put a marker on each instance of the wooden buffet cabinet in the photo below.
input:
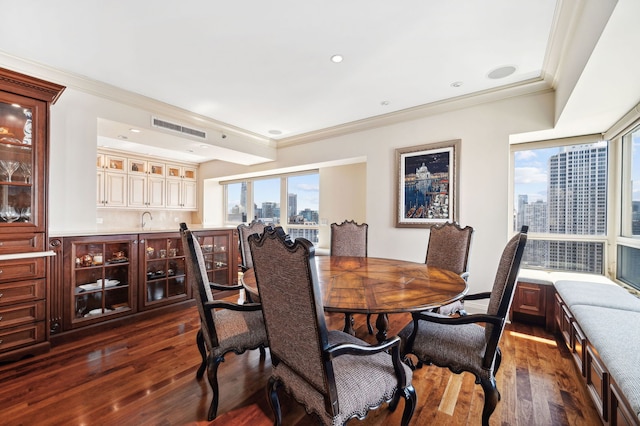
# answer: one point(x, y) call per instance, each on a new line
point(24, 153)
point(97, 281)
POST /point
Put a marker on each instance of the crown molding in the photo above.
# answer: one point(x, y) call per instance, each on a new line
point(528, 87)
point(116, 94)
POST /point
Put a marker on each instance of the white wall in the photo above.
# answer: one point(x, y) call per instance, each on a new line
point(343, 196)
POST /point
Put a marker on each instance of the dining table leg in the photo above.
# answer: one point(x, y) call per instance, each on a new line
point(348, 324)
point(382, 324)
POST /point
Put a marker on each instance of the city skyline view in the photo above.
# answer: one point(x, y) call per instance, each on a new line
point(531, 173)
point(306, 187)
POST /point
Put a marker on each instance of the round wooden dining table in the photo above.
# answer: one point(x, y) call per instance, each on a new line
point(371, 285)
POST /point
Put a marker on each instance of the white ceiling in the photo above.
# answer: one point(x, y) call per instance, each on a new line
point(265, 66)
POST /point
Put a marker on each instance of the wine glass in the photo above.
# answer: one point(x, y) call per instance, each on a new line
point(9, 214)
point(26, 214)
point(26, 171)
point(4, 167)
point(9, 167)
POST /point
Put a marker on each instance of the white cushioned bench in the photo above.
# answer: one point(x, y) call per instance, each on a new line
point(615, 334)
point(600, 323)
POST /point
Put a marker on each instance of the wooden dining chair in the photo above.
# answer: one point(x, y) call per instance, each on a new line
point(334, 375)
point(224, 326)
point(448, 248)
point(350, 239)
point(462, 343)
point(255, 227)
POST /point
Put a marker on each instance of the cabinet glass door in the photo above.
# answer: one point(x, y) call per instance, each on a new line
point(215, 249)
point(17, 162)
point(101, 279)
point(165, 279)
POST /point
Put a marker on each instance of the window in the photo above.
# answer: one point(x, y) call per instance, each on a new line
point(263, 198)
point(560, 192)
point(236, 196)
point(631, 185)
point(628, 244)
point(303, 199)
point(266, 200)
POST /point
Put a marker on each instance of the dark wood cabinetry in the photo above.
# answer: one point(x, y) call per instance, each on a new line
point(24, 147)
point(100, 280)
point(533, 303)
point(163, 273)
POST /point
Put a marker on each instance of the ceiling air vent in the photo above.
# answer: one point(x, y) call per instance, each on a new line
point(156, 122)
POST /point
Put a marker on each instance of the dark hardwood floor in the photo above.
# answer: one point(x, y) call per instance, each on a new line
point(143, 373)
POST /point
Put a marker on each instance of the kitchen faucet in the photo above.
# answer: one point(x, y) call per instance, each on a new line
point(150, 218)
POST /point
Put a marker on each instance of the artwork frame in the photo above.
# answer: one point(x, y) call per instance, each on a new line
point(424, 197)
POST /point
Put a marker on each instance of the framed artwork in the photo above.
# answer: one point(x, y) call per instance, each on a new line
point(427, 184)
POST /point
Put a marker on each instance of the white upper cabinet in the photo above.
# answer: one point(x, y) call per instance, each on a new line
point(137, 182)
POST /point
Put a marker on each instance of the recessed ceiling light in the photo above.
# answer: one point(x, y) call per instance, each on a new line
point(204, 146)
point(275, 132)
point(336, 59)
point(189, 150)
point(501, 72)
point(122, 137)
point(384, 103)
point(457, 84)
point(135, 130)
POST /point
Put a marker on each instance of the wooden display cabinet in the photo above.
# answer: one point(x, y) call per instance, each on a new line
point(219, 249)
point(145, 273)
point(101, 279)
point(163, 278)
point(24, 148)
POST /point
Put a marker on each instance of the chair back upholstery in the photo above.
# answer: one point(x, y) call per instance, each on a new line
point(503, 289)
point(199, 281)
point(448, 247)
point(255, 227)
point(349, 239)
point(294, 320)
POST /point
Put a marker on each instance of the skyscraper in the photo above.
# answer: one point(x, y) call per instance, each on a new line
point(578, 205)
point(292, 206)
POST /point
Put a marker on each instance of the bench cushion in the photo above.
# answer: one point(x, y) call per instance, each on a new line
point(615, 334)
point(606, 295)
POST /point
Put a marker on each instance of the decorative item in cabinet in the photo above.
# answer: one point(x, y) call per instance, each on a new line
point(181, 172)
point(152, 168)
point(102, 278)
point(164, 279)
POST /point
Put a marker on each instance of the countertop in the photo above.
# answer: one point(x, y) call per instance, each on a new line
point(138, 230)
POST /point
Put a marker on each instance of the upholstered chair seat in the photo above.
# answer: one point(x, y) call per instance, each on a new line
point(356, 396)
point(334, 375)
point(224, 326)
point(470, 342)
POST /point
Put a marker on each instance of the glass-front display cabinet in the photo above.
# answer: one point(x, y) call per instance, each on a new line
point(24, 145)
point(21, 165)
point(102, 279)
point(165, 274)
point(217, 253)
